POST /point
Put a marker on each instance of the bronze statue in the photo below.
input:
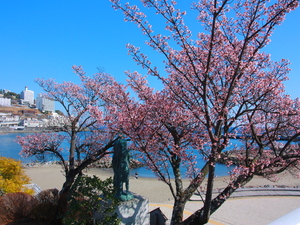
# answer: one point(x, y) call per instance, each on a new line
point(120, 163)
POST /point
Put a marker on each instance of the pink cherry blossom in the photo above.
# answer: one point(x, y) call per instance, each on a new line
point(218, 84)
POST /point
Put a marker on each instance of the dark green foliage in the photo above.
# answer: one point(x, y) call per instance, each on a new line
point(12, 95)
point(59, 112)
point(92, 201)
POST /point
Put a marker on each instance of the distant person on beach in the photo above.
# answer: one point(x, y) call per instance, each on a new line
point(136, 175)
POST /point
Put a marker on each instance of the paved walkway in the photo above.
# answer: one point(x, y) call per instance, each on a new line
point(247, 206)
point(260, 191)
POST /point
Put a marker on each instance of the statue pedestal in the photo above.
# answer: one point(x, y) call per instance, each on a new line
point(134, 211)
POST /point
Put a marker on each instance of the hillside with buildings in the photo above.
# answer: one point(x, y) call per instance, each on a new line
point(26, 98)
point(21, 111)
point(25, 118)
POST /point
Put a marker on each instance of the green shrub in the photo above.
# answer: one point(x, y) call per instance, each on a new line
point(92, 201)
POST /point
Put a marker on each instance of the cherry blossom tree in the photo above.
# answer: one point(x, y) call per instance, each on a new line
point(167, 137)
point(223, 81)
point(162, 134)
point(85, 138)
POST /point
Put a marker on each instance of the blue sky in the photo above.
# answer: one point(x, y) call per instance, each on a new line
point(43, 39)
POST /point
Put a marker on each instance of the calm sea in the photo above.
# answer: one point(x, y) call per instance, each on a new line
point(10, 148)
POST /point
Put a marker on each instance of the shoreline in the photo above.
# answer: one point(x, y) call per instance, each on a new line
point(51, 176)
point(9, 131)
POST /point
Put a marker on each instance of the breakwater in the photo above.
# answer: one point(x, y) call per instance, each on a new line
point(5, 130)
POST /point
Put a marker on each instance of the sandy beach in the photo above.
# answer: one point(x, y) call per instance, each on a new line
point(159, 195)
point(51, 176)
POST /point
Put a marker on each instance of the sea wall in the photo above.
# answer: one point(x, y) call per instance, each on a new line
point(5, 130)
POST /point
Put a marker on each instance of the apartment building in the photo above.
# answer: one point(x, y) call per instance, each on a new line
point(5, 102)
point(27, 96)
point(44, 104)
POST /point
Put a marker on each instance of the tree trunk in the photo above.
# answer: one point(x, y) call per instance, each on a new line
point(70, 177)
point(196, 218)
point(178, 208)
point(207, 203)
point(180, 202)
point(62, 206)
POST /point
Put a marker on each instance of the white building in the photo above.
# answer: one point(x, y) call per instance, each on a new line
point(44, 104)
point(5, 101)
point(31, 123)
point(7, 119)
point(27, 96)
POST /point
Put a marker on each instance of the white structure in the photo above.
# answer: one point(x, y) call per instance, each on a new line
point(56, 120)
point(44, 104)
point(5, 101)
point(292, 218)
point(31, 123)
point(7, 119)
point(27, 96)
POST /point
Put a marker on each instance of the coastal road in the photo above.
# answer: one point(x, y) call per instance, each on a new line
point(248, 206)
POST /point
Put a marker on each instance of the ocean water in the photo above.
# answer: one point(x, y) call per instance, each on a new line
point(10, 148)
